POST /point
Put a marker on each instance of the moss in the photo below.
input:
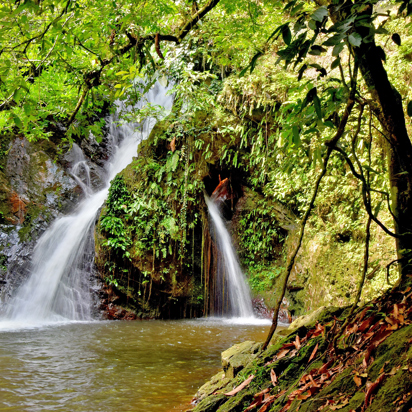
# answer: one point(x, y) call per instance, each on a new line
point(391, 352)
point(210, 404)
point(238, 402)
point(30, 222)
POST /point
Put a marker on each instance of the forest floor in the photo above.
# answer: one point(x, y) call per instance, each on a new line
point(360, 363)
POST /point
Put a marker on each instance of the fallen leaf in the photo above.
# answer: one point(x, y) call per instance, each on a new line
point(268, 401)
point(313, 353)
point(297, 342)
point(241, 386)
point(366, 323)
point(273, 377)
point(303, 397)
point(357, 380)
point(313, 382)
point(406, 290)
point(265, 391)
point(325, 367)
point(288, 345)
point(396, 310)
point(372, 388)
point(282, 353)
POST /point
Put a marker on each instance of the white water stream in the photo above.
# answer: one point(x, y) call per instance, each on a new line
point(58, 288)
point(238, 291)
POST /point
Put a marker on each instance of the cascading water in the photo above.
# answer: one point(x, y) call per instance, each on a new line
point(239, 304)
point(58, 288)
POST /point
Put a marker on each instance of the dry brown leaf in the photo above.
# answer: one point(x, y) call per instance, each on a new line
point(264, 392)
point(325, 367)
point(313, 382)
point(313, 353)
point(253, 405)
point(273, 377)
point(282, 353)
point(287, 406)
point(380, 337)
point(366, 323)
point(357, 380)
point(241, 386)
point(173, 144)
point(371, 389)
point(297, 342)
point(288, 345)
point(363, 313)
point(395, 326)
point(303, 397)
point(406, 290)
point(267, 402)
point(396, 310)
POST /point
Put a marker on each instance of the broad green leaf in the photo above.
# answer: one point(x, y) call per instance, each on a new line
point(337, 49)
point(287, 35)
point(320, 14)
point(355, 39)
point(335, 63)
point(316, 103)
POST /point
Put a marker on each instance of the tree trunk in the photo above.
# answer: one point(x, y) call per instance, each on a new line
point(398, 145)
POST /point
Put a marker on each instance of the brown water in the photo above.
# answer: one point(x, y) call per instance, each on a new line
point(113, 366)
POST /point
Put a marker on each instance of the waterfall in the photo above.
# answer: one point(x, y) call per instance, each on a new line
point(229, 274)
point(58, 288)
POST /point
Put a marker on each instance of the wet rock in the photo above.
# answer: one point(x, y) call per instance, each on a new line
point(36, 187)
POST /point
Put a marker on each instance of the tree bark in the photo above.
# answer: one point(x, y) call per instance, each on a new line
point(398, 147)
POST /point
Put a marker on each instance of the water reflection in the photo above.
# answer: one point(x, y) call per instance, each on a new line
point(113, 366)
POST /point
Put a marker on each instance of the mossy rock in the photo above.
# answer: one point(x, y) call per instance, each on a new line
point(238, 356)
point(320, 315)
point(217, 382)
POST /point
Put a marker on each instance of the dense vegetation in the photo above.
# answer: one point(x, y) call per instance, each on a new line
point(303, 105)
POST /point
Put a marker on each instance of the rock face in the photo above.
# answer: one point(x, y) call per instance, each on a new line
point(36, 187)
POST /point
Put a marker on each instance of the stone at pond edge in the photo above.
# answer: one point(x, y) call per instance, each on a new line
point(238, 356)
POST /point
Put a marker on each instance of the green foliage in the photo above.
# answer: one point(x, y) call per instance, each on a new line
point(118, 235)
point(258, 235)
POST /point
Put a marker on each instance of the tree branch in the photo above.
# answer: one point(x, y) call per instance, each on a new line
point(330, 146)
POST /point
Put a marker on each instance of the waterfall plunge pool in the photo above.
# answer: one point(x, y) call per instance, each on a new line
point(114, 365)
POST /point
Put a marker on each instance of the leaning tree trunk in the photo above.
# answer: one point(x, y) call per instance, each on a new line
point(387, 106)
point(398, 145)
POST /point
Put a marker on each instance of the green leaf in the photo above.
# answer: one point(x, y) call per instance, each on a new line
point(335, 63)
point(320, 14)
point(377, 208)
point(337, 49)
point(334, 40)
point(301, 71)
point(286, 34)
point(17, 121)
point(316, 50)
point(316, 103)
point(254, 61)
point(355, 39)
point(295, 133)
